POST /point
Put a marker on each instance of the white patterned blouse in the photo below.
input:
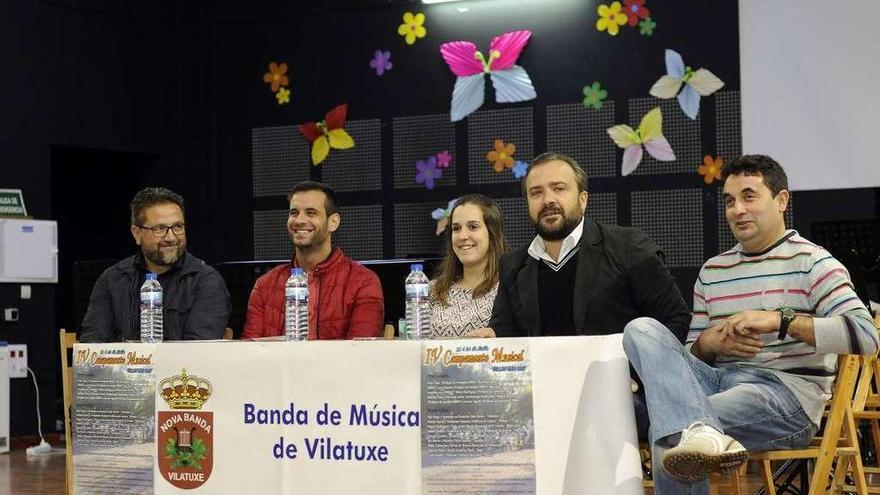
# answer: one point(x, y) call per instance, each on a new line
point(463, 313)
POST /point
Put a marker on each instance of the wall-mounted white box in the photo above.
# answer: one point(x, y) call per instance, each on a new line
point(28, 250)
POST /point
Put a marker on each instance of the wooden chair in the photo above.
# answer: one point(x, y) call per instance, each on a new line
point(67, 340)
point(866, 403)
point(839, 441)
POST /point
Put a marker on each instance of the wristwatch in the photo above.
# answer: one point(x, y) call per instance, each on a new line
point(786, 316)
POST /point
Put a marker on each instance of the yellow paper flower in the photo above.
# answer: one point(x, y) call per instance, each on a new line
point(502, 156)
point(283, 96)
point(710, 169)
point(412, 27)
point(611, 18)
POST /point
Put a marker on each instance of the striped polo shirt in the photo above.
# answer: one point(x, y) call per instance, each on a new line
point(792, 273)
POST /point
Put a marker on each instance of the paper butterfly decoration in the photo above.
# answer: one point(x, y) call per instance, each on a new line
point(511, 81)
point(327, 134)
point(696, 83)
point(649, 133)
point(442, 216)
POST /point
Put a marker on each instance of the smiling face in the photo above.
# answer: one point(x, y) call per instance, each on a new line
point(556, 206)
point(755, 216)
point(160, 251)
point(470, 236)
point(307, 220)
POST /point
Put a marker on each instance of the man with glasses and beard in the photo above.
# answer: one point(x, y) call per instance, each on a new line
point(578, 276)
point(195, 298)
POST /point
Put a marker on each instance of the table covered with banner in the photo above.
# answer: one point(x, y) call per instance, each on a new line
point(478, 416)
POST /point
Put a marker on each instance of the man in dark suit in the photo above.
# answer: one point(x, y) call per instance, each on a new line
point(580, 277)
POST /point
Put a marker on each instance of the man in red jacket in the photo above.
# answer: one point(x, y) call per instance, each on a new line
point(345, 298)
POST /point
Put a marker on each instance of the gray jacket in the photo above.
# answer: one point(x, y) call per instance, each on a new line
point(195, 302)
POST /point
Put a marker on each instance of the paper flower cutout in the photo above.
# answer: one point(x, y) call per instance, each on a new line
point(710, 169)
point(594, 95)
point(511, 81)
point(327, 133)
point(696, 83)
point(444, 159)
point(520, 168)
point(276, 77)
point(412, 27)
point(650, 133)
point(635, 10)
point(427, 172)
point(646, 27)
point(283, 96)
point(610, 18)
point(502, 156)
point(381, 62)
point(442, 216)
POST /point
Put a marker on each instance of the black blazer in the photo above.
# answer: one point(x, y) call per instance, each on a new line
point(620, 276)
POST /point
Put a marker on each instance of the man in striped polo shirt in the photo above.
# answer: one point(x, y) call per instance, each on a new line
point(770, 317)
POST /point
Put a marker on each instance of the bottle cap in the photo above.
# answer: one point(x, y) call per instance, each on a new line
point(296, 271)
point(415, 267)
point(151, 276)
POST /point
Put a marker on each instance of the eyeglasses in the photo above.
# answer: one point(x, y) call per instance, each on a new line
point(162, 230)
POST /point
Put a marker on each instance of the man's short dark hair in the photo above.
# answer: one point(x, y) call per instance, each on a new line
point(151, 196)
point(770, 171)
point(579, 175)
point(330, 203)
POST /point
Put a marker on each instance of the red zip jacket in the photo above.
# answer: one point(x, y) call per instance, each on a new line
point(345, 301)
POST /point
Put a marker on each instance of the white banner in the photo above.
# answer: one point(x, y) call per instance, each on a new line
point(342, 417)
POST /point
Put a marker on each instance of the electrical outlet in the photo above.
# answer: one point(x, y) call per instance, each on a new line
point(17, 360)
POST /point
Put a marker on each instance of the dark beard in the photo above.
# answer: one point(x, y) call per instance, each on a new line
point(158, 258)
point(559, 233)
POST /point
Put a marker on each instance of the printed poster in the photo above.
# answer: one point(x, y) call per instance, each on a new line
point(113, 418)
point(478, 434)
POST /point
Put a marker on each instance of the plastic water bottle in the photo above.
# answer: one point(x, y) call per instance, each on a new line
point(296, 305)
point(418, 305)
point(151, 310)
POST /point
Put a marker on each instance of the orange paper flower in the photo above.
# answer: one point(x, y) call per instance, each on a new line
point(502, 156)
point(711, 169)
point(276, 76)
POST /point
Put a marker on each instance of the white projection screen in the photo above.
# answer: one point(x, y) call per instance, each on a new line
point(810, 74)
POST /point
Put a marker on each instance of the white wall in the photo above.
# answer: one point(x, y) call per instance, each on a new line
point(810, 74)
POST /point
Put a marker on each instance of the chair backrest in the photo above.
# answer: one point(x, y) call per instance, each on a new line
point(839, 423)
point(67, 339)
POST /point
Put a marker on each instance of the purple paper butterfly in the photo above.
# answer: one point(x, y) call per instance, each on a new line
point(381, 62)
point(428, 172)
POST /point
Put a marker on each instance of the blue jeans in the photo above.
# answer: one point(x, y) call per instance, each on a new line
point(749, 404)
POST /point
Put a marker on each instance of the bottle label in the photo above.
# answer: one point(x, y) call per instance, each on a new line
point(296, 293)
point(151, 298)
point(416, 290)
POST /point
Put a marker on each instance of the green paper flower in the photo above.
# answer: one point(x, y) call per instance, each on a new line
point(594, 95)
point(646, 27)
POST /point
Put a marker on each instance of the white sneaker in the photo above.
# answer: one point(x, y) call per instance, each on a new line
point(703, 450)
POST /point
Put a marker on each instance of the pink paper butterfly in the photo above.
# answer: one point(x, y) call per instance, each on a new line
point(511, 81)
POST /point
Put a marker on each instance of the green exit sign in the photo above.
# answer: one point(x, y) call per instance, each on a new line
point(12, 203)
